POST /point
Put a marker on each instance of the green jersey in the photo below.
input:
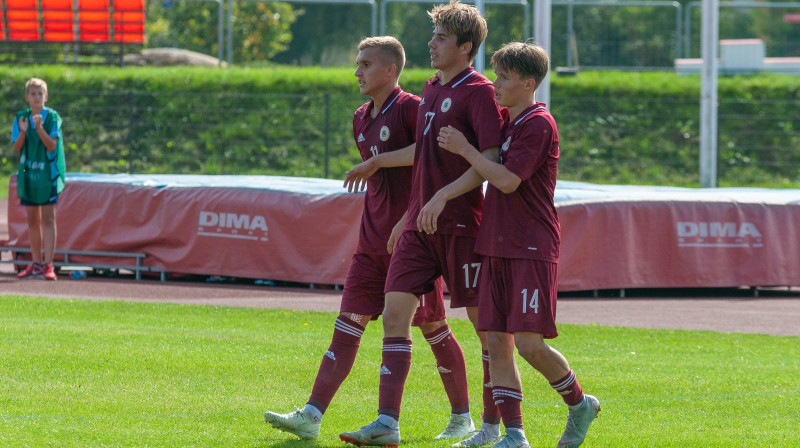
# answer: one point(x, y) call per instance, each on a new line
point(40, 170)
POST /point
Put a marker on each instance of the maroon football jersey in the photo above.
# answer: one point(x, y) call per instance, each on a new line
point(524, 224)
point(466, 103)
point(388, 189)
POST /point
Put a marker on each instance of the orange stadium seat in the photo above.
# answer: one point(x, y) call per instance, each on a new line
point(129, 21)
point(58, 20)
point(23, 20)
point(93, 21)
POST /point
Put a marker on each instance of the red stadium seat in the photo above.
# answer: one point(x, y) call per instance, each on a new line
point(93, 21)
point(129, 21)
point(23, 20)
point(2, 29)
point(58, 20)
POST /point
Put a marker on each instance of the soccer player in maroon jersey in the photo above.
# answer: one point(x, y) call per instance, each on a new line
point(442, 221)
point(520, 238)
point(384, 130)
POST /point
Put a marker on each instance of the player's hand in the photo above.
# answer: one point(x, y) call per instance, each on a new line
point(23, 125)
point(451, 139)
point(37, 121)
point(397, 230)
point(426, 220)
point(356, 178)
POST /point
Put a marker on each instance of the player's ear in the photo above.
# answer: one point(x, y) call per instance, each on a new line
point(466, 47)
point(391, 69)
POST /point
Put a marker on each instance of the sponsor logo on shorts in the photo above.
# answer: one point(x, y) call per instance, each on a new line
point(442, 369)
point(385, 371)
point(330, 354)
point(232, 225)
point(718, 234)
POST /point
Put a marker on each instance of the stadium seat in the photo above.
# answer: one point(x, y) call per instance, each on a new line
point(93, 21)
point(23, 20)
point(129, 21)
point(58, 21)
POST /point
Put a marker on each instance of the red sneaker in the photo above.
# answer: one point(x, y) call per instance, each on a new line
point(49, 273)
point(32, 271)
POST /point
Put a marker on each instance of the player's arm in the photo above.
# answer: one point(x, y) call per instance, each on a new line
point(471, 179)
point(22, 126)
point(496, 174)
point(49, 142)
point(395, 235)
point(356, 178)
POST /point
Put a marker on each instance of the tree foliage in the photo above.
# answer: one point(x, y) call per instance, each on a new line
point(260, 29)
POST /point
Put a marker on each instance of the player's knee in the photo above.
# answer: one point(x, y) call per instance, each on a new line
point(533, 350)
point(430, 327)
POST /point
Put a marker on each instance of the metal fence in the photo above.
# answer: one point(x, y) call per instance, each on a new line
point(605, 140)
point(774, 22)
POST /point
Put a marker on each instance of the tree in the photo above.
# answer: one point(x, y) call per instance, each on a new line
point(260, 29)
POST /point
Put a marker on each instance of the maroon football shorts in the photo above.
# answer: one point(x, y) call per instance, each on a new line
point(363, 291)
point(420, 258)
point(518, 295)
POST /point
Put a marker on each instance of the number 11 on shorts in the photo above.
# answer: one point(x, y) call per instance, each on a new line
point(532, 304)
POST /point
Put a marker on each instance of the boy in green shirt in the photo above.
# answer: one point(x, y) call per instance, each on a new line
point(36, 134)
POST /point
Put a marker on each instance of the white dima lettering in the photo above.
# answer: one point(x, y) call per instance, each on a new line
point(233, 221)
point(208, 219)
point(717, 229)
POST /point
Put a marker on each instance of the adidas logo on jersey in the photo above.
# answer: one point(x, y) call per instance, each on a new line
point(385, 371)
point(331, 355)
point(361, 138)
point(422, 102)
point(443, 369)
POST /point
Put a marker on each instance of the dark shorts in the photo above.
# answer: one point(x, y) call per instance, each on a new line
point(518, 295)
point(363, 291)
point(420, 258)
point(52, 201)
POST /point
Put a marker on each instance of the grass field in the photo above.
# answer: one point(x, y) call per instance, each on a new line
point(79, 373)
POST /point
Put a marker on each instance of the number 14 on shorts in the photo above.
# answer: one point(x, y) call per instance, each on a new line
point(532, 304)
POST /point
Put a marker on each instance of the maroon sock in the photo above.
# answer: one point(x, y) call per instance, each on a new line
point(568, 387)
point(394, 371)
point(337, 362)
point(451, 366)
point(491, 414)
point(509, 401)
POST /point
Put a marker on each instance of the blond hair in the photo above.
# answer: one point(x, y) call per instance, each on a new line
point(526, 59)
point(463, 21)
point(391, 50)
point(36, 82)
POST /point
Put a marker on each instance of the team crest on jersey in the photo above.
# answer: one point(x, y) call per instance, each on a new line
point(506, 144)
point(384, 133)
point(504, 150)
point(446, 104)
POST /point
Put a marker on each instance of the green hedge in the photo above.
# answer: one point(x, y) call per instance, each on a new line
point(615, 127)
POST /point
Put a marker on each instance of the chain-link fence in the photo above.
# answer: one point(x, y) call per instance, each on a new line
point(606, 140)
